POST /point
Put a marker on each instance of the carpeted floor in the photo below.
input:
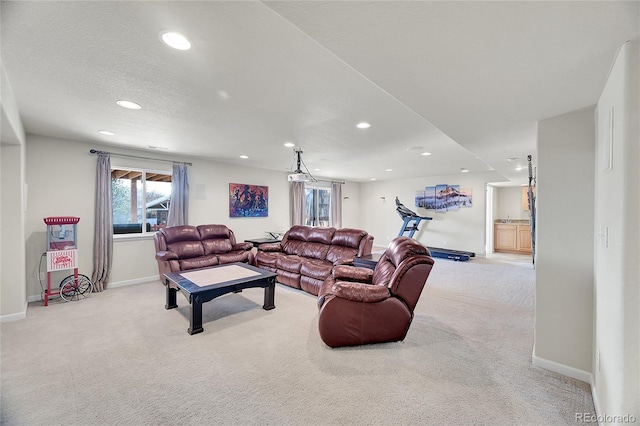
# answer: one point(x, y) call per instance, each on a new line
point(120, 358)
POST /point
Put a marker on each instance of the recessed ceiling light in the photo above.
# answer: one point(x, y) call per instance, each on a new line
point(415, 149)
point(223, 94)
point(175, 40)
point(316, 170)
point(519, 168)
point(463, 170)
point(289, 144)
point(363, 125)
point(373, 178)
point(106, 133)
point(512, 159)
point(244, 157)
point(426, 153)
point(388, 170)
point(157, 148)
point(129, 104)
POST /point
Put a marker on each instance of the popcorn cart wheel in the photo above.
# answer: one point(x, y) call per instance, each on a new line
point(75, 288)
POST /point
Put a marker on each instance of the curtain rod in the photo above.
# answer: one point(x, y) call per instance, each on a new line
point(94, 151)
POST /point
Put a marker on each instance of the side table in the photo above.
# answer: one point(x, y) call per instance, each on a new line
point(257, 241)
point(369, 261)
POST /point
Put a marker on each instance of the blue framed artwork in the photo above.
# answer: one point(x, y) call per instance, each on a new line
point(248, 200)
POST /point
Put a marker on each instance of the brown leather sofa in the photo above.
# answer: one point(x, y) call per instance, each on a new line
point(360, 306)
point(306, 255)
point(179, 248)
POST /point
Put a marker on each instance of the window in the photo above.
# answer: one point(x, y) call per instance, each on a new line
point(317, 206)
point(138, 191)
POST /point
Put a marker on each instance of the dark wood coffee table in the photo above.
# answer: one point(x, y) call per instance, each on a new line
point(205, 284)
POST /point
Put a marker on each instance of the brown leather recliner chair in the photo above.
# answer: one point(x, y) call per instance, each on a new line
point(360, 306)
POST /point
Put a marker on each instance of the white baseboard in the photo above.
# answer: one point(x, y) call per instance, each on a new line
point(17, 316)
point(574, 373)
point(117, 284)
point(565, 370)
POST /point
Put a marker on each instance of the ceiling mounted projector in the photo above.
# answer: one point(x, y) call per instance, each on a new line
point(301, 177)
point(298, 175)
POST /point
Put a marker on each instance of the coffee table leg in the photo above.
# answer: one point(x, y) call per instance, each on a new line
point(269, 295)
point(195, 322)
point(171, 297)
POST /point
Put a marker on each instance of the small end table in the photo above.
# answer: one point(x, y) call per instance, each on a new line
point(369, 261)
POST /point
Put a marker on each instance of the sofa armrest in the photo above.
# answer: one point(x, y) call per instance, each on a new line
point(270, 247)
point(359, 292)
point(166, 255)
point(353, 273)
point(344, 261)
point(242, 246)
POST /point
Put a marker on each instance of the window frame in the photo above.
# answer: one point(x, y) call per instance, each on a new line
point(143, 207)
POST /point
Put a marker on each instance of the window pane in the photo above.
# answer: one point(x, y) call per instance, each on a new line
point(126, 186)
point(158, 198)
point(324, 200)
point(310, 206)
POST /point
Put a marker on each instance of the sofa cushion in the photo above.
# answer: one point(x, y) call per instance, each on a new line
point(175, 234)
point(290, 263)
point(268, 258)
point(295, 240)
point(186, 249)
point(234, 256)
point(315, 250)
point(310, 285)
point(217, 246)
point(208, 232)
point(316, 268)
point(198, 262)
point(340, 252)
point(320, 235)
point(348, 237)
point(294, 247)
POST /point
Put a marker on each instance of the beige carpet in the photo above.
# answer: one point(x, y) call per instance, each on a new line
point(120, 358)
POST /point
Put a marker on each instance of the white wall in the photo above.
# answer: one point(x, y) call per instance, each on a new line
point(61, 178)
point(459, 230)
point(13, 303)
point(617, 216)
point(509, 203)
point(12, 241)
point(564, 243)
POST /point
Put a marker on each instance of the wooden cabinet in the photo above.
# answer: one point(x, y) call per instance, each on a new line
point(505, 237)
point(523, 242)
point(512, 237)
point(525, 197)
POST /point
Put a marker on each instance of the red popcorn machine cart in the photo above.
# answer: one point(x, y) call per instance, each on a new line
point(62, 253)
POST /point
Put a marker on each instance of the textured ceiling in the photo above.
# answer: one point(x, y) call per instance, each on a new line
point(466, 81)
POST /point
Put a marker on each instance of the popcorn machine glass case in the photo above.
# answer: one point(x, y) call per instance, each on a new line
point(61, 233)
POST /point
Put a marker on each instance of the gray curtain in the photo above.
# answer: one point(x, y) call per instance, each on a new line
point(179, 207)
point(103, 232)
point(336, 205)
point(297, 203)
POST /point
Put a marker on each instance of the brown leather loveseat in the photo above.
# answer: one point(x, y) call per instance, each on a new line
point(360, 306)
point(306, 255)
point(179, 248)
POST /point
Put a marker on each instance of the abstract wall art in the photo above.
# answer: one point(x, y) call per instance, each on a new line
point(248, 200)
